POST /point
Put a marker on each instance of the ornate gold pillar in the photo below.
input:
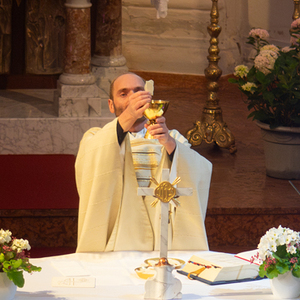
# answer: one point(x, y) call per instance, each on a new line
point(108, 60)
point(211, 128)
point(78, 95)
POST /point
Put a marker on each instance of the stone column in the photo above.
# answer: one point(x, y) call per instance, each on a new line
point(108, 61)
point(78, 93)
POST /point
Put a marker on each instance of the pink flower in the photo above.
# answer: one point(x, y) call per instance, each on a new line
point(294, 41)
point(259, 33)
point(296, 26)
point(269, 261)
point(265, 61)
point(296, 23)
point(7, 248)
point(254, 257)
point(293, 260)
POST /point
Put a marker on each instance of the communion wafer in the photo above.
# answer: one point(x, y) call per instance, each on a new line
point(149, 86)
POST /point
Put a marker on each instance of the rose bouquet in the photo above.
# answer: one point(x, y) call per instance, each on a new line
point(279, 250)
point(13, 259)
point(272, 84)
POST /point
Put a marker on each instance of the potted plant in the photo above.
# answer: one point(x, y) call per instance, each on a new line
point(279, 251)
point(13, 261)
point(272, 89)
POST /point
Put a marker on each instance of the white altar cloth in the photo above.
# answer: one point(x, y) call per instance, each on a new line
point(116, 279)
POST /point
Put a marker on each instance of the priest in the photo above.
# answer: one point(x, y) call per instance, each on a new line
point(113, 161)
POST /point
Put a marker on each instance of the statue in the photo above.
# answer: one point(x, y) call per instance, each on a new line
point(45, 36)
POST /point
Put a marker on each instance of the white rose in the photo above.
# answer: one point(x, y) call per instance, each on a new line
point(5, 236)
point(20, 244)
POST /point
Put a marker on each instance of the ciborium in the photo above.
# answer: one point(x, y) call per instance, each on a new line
point(156, 109)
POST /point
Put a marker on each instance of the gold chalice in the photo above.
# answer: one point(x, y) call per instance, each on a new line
point(156, 109)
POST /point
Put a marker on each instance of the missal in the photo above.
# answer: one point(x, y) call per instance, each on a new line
point(219, 268)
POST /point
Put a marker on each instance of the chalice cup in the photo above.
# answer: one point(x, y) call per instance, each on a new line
point(156, 109)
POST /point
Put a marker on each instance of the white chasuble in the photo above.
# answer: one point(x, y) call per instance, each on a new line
point(112, 217)
point(146, 156)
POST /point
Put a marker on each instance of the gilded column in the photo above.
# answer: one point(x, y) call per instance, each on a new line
point(108, 60)
point(77, 95)
point(296, 13)
point(211, 128)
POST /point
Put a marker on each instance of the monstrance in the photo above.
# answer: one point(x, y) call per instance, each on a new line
point(164, 285)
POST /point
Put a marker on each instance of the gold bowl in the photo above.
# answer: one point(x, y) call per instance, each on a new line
point(145, 272)
point(156, 109)
point(177, 263)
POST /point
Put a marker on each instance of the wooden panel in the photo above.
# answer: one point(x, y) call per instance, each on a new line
point(42, 228)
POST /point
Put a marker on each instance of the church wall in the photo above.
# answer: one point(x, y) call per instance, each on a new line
point(179, 43)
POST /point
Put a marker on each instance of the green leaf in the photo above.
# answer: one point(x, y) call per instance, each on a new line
point(281, 252)
point(282, 267)
point(17, 278)
point(262, 273)
point(269, 96)
point(6, 264)
point(232, 80)
point(261, 77)
point(296, 273)
point(17, 263)
point(273, 273)
point(9, 255)
point(35, 269)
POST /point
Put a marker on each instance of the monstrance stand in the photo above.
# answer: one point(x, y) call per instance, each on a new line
point(164, 285)
point(211, 128)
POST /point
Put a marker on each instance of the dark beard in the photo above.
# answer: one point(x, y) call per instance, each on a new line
point(137, 122)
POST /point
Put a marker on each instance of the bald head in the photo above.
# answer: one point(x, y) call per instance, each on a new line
point(122, 76)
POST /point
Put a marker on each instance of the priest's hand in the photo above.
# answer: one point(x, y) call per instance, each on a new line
point(133, 108)
point(160, 131)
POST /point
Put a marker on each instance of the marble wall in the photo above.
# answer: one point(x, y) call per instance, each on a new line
point(29, 123)
point(44, 135)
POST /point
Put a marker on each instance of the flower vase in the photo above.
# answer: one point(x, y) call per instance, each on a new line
point(285, 286)
point(7, 287)
point(282, 151)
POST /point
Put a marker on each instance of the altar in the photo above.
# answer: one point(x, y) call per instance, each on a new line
point(115, 278)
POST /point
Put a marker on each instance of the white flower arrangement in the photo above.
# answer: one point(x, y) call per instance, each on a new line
point(13, 259)
point(279, 251)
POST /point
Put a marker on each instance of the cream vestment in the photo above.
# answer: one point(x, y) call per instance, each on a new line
point(112, 217)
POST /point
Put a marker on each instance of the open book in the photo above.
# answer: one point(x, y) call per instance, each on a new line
point(220, 268)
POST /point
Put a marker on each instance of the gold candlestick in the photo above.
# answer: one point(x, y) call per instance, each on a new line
point(296, 13)
point(211, 128)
